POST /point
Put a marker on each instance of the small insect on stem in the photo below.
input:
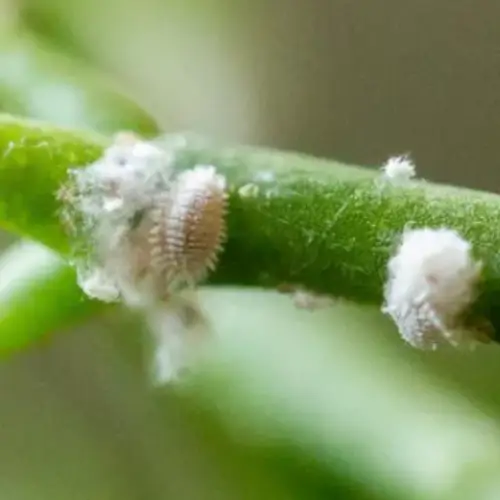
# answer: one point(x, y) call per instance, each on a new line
point(141, 232)
point(431, 285)
point(398, 170)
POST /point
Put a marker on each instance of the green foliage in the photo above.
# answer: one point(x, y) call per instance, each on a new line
point(38, 296)
point(39, 83)
point(271, 412)
point(342, 399)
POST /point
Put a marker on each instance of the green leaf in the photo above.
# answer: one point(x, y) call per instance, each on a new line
point(38, 296)
point(324, 386)
point(37, 82)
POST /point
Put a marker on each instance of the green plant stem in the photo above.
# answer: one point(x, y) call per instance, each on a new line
point(325, 226)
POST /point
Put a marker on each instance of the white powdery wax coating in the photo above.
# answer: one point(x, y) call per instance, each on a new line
point(141, 233)
point(399, 169)
point(431, 282)
point(97, 285)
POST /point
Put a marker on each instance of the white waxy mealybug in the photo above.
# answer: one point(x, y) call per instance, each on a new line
point(398, 169)
point(431, 284)
point(141, 233)
point(178, 239)
point(196, 225)
point(148, 231)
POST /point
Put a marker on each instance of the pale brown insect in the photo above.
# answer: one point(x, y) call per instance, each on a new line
point(178, 239)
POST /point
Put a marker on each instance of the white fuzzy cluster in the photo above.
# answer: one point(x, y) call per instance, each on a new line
point(132, 221)
point(431, 283)
point(179, 335)
point(398, 169)
point(100, 203)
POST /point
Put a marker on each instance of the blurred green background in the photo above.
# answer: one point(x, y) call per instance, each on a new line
point(358, 81)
